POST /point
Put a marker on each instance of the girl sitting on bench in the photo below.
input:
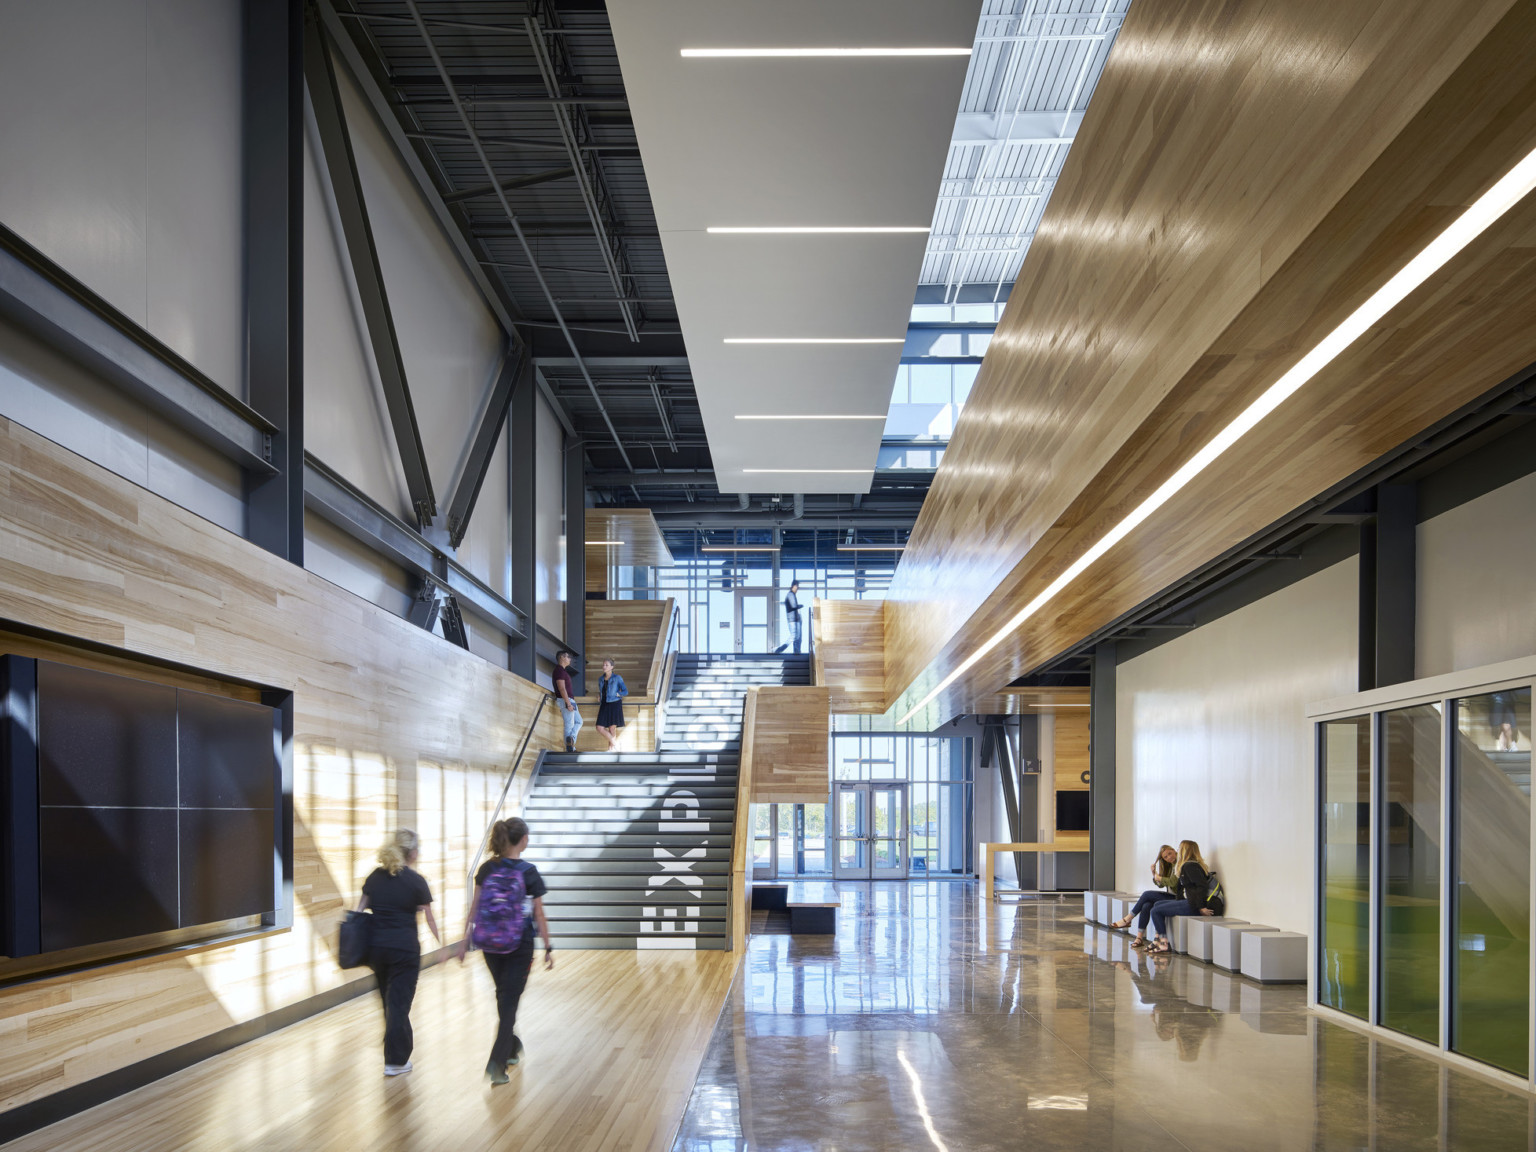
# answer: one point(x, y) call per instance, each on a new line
point(1167, 881)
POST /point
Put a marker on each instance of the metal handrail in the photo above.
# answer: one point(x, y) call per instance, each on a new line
point(507, 787)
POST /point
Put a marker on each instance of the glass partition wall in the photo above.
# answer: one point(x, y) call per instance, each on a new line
point(1424, 867)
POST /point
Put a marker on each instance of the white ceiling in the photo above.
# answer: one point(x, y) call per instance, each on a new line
point(792, 141)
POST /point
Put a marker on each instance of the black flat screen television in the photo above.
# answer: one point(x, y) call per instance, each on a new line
point(133, 808)
point(1073, 813)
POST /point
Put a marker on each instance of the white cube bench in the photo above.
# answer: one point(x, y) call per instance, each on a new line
point(1273, 957)
point(1178, 933)
point(1227, 943)
point(1091, 906)
point(1120, 907)
point(1199, 934)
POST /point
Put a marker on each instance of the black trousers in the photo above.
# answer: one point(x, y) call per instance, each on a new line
point(397, 970)
point(510, 972)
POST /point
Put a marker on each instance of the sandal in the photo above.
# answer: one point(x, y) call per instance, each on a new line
point(1162, 945)
point(1123, 923)
point(1140, 942)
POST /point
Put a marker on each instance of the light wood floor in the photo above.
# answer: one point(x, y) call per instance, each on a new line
point(614, 1041)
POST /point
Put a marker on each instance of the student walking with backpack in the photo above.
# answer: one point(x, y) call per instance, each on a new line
point(509, 892)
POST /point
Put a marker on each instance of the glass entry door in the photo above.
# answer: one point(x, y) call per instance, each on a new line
point(755, 620)
point(871, 831)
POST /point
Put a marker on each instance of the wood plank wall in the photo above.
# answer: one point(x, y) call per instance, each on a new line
point(633, 633)
point(1186, 260)
point(785, 729)
point(850, 653)
point(392, 727)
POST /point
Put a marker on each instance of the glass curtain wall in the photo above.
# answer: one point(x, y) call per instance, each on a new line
point(1490, 970)
point(1425, 839)
point(1410, 871)
point(1343, 972)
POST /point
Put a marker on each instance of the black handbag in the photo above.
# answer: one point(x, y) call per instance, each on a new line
point(356, 934)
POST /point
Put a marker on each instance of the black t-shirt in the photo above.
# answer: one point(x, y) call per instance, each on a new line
point(393, 901)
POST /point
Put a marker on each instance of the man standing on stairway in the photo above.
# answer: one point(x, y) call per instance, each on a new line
point(792, 611)
point(565, 694)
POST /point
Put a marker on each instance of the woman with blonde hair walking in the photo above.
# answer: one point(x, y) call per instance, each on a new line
point(397, 893)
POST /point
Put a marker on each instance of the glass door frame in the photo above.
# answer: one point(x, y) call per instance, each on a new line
point(1449, 691)
point(770, 625)
point(865, 843)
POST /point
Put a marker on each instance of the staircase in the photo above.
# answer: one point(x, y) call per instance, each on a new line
point(704, 709)
point(636, 847)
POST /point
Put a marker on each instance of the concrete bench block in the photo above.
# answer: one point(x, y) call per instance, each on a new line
point(1091, 907)
point(1200, 934)
point(1178, 933)
point(813, 919)
point(1101, 908)
point(1227, 943)
point(772, 897)
point(1274, 957)
point(1120, 907)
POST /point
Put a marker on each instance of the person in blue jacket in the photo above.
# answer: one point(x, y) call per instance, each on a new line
point(611, 691)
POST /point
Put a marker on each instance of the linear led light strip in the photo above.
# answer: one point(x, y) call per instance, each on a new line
point(809, 416)
point(1492, 204)
point(792, 230)
point(815, 340)
point(742, 52)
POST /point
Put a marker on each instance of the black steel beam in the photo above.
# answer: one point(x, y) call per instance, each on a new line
point(341, 164)
point(273, 123)
point(1101, 767)
point(575, 554)
point(482, 446)
point(522, 511)
point(335, 500)
point(509, 185)
point(40, 299)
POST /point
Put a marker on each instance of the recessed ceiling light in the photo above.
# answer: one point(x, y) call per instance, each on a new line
point(1513, 187)
point(815, 340)
point(739, 548)
point(813, 471)
point(818, 230)
point(740, 52)
point(808, 416)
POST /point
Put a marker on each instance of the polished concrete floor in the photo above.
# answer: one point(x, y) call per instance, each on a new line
point(925, 1024)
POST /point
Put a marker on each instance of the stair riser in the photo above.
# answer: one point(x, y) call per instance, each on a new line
point(621, 875)
point(631, 943)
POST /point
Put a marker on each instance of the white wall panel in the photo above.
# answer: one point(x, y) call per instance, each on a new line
point(333, 555)
point(120, 159)
point(44, 391)
point(1477, 581)
point(346, 423)
point(450, 341)
point(549, 521)
point(486, 548)
point(1213, 744)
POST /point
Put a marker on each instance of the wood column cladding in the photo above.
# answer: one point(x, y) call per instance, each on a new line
point(784, 744)
point(1247, 175)
point(392, 727)
point(850, 653)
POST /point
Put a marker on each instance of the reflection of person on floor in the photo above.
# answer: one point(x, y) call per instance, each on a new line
point(1173, 1016)
point(1501, 718)
point(1167, 881)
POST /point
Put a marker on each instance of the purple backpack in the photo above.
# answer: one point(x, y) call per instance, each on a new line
point(500, 919)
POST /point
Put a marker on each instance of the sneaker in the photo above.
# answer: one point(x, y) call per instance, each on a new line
point(397, 1069)
point(495, 1073)
point(517, 1058)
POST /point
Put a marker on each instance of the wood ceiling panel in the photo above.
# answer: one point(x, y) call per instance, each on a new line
point(1127, 346)
point(628, 536)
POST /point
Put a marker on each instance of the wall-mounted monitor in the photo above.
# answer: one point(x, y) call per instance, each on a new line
point(1073, 813)
point(133, 808)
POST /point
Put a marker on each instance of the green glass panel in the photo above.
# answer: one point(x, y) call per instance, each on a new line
point(1343, 979)
point(1410, 870)
point(1490, 968)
